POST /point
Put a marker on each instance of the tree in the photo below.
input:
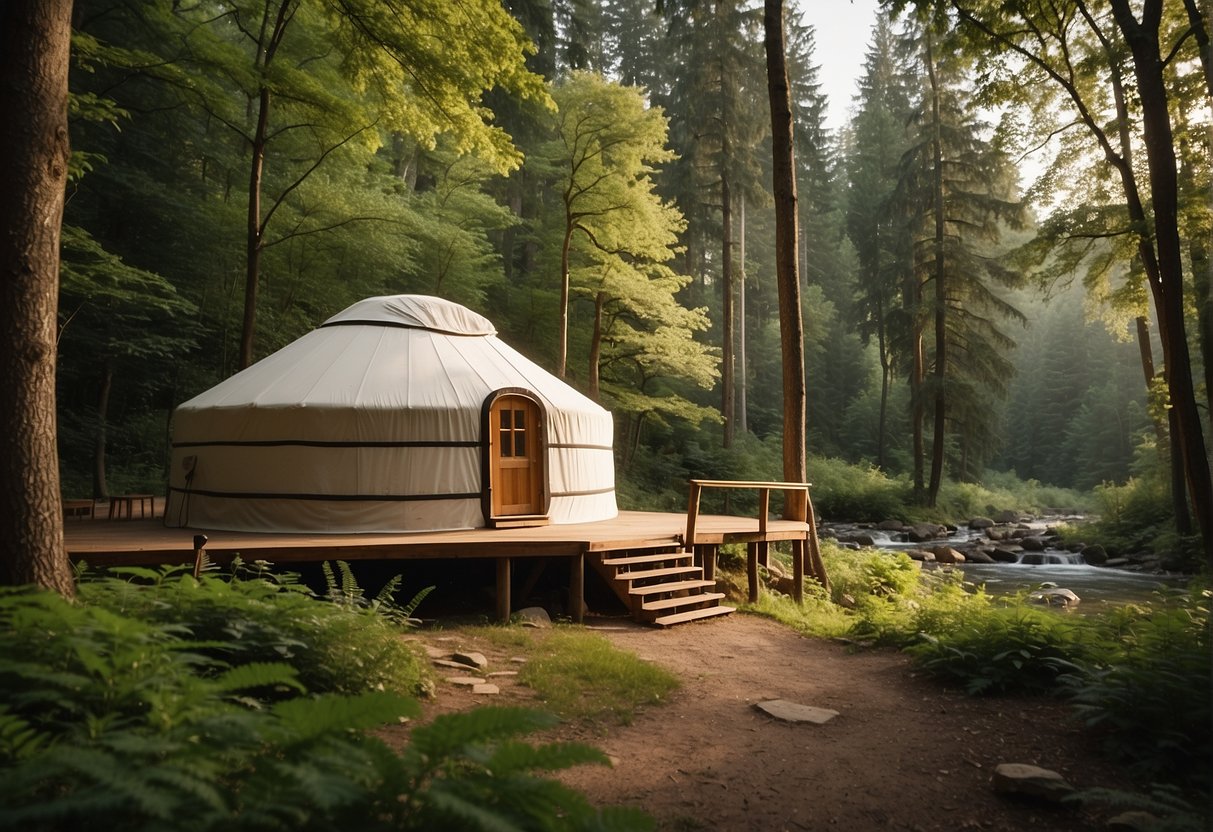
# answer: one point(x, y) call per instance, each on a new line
point(34, 154)
point(791, 324)
point(1056, 47)
point(606, 143)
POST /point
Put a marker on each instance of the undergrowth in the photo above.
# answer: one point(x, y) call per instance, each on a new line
point(1138, 675)
point(184, 704)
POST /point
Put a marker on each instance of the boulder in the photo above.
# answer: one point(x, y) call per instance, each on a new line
point(997, 534)
point(979, 556)
point(921, 532)
point(858, 538)
point(534, 617)
point(1006, 554)
point(921, 555)
point(890, 525)
point(1023, 780)
point(1032, 543)
point(1095, 555)
point(1008, 516)
point(946, 554)
point(980, 523)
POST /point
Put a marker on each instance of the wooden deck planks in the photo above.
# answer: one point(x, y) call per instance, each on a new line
point(103, 543)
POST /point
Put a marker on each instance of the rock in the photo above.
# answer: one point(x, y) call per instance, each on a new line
point(795, 712)
point(1023, 780)
point(1059, 597)
point(465, 681)
point(890, 525)
point(517, 659)
point(847, 601)
point(946, 554)
point(451, 664)
point(1005, 517)
point(1095, 555)
point(980, 523)
point(921, 555)
point(500, 673)
point(979, 556)
point(996, 534)
point(1133, 821)
point(1006, 554)
point(534, 617)
point(486, 688)
point(471, 659)
point(436, 652)
point(1032, 543)
point(863, 539)
point(920, 532)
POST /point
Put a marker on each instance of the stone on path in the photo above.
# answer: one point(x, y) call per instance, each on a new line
point(1030, 781)
point(466, 681)
point(502, 673)
point(486, 688)
point(795, 712)
point(471, 659)
point(452, 664)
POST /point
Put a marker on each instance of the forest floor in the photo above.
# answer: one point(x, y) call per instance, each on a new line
point(904, 753)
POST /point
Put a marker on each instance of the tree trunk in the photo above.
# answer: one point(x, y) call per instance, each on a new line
point(1142, 38)
point(885, 380)
point(941, 295)
point(562, 349)
point(743, 425)
point(791, 321)
point(34, 151)
point(727, 380)
point(100, 488)
point(596, 345)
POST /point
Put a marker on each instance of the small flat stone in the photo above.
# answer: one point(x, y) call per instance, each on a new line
point(795, 712)
point(486, 688)
point(467, 681)
point(1030, 781)
point(533, 617)
point(502, 673)
point(518, 659)
point(436, 652)
point(471, 659)
point(451, 664)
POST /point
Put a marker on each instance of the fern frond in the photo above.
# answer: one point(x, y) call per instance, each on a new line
point(454, 734)
point(258, 675)
point(305, 719)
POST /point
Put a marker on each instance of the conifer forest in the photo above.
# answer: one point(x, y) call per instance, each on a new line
point(1003, 253)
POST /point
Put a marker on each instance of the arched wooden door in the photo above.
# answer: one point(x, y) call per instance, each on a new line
point(517, 468)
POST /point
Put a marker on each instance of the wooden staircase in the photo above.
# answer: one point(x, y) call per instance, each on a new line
point(661, 587)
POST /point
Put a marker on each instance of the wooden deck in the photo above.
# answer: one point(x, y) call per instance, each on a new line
point(146, 542)
point(127, 542)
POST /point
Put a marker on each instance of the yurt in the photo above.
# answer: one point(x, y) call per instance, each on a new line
point(403, 414)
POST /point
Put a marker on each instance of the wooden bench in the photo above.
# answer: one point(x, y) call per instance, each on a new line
point(126, 503)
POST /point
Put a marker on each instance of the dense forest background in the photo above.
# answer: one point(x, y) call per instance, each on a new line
point(973, 302)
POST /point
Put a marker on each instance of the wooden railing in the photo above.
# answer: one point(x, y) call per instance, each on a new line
point(798, 491)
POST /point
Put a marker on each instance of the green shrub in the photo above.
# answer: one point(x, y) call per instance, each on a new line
point(108, 718)
point(1148, 688)
point(255, 615)
point(856, 492)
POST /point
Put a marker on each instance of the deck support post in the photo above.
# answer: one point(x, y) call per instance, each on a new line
point(798, 552)
point(503, 589)
point(577, 588)
point(752, 570)
point(707, 559)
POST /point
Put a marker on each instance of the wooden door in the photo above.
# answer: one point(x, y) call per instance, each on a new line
point(516, 456)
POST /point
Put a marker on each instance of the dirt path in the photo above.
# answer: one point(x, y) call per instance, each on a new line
point(904, 753)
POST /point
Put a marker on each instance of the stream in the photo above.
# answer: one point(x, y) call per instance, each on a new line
point(1096, 586)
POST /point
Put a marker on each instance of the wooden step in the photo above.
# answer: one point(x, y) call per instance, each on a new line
point(675, 586)
point(644, 574)
point(633, 560)
point(691, 615)
point(680, 601)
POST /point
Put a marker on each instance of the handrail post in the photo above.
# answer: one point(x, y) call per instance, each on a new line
point(688, 543)
point(764, 508)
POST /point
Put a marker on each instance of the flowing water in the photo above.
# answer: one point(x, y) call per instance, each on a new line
point(1096, 586)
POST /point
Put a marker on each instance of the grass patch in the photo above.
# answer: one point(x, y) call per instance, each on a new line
point(581, 676)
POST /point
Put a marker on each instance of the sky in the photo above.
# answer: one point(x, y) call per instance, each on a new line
point(843, 29)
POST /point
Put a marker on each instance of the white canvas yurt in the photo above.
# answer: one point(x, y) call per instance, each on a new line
point(402, 413)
